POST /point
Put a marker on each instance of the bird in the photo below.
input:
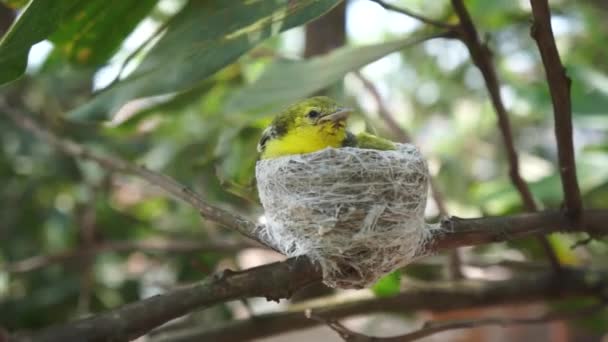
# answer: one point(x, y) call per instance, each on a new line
point(311, 125)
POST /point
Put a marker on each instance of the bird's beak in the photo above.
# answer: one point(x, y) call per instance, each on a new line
point(339, 115)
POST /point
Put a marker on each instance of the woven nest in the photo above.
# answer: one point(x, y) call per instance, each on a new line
point(359, 213)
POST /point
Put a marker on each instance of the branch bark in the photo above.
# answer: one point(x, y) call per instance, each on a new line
point(273, 281)
point(402, 135)
point(468, 294)
point(151, 245)
point(432, 328)
point(113, 163)
point(280, 280)
point(7, 17)
point(482, 57)
point(559, 87)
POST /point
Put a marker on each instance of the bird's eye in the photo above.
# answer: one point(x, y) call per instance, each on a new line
point(313, 114)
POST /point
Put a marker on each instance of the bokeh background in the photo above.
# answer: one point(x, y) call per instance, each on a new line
point(185, 88)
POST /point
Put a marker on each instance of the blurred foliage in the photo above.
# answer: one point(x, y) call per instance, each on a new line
point(389, 285)
point(192, 101)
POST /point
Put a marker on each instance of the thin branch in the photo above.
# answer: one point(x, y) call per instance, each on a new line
point(432, 328)
point(559, 87)
point(113, 163)
point(280, 280)
point(455, 260)
point(411, 14)
point(457, 232)
point(385, 114)
point(534, 287)
point(482, 57)
point(273, 281)
point(151, 245)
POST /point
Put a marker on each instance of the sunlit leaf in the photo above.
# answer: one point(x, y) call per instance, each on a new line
point(287, 81)
point(89, 32)
point(38, 21)
point(203, 38)
point(499, 196)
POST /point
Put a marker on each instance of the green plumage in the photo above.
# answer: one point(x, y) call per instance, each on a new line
point(312, 125)
point(366, 140)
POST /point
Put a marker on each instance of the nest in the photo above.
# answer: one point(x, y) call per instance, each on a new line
point(359, 213)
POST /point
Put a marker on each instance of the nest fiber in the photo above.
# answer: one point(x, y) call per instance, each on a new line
point(359, 213)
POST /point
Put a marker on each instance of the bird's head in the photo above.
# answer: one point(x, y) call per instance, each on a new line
point(318, 117)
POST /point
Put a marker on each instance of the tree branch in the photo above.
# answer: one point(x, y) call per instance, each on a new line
point(280, 280)
point(273, 281)
point(482, 57)
point(455, 260)
point(150, 245)
point(108, 162)
point(457, 232)
point(469, 294)
point(559, 87)
point(411, 14)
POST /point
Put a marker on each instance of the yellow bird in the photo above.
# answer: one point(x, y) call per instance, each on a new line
point(312, 125)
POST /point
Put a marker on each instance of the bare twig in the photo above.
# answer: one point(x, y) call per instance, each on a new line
point(389, 119)
point(455, 262)
point(482, 57)
point(152, 245)
point(411, 14)
point(559, 87)
point(345, 333)
point(437, 297)
point(431, 328)
point(113, 163)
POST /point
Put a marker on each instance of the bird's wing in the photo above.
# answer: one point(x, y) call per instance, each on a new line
point(366, 140)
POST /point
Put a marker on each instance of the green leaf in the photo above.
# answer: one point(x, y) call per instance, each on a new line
point(389, 285)
point(285, 82)
point(203, 38)
point(592, 172)
point(38, 21)
point(92, 30)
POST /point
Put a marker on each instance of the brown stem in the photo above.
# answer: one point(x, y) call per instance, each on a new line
point(482, 57)
point(456, 232)
point(411, 14)
point(534, 287)
point(274, 281)
point(280, 280)
point(432, 328)
point(559, 87)
point(7, 17)
point(152, 245)
point(113, 163)
point(455, 260)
